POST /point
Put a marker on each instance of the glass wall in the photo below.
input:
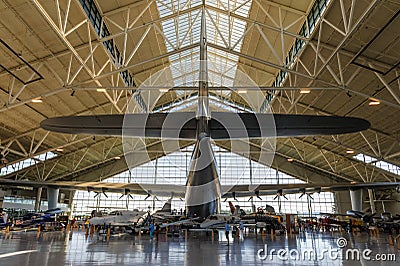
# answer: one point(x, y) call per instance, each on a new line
point(172, 169)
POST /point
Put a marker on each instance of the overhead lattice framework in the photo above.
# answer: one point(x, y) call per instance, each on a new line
point(298, 45)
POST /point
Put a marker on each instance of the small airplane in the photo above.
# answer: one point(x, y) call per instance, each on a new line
point(119, 218)
point(166, 213)
point(35, 218)
point(389, 223)
point(219, 221)
point(262, 218)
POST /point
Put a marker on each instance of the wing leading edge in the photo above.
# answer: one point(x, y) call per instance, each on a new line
point(178, 191)
point(182, 125)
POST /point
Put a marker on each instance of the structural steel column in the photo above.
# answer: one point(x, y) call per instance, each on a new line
point(37, 201)
point(356, 199)
point(371, 200)
point(52, 197)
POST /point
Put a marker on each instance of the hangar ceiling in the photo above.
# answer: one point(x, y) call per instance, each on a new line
point(76, 57)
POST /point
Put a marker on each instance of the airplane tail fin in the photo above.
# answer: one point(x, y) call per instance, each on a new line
point(237, 210)
point(269, 209)
point(167, 206)
point(231, 207)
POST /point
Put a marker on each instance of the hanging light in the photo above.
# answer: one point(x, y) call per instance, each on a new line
point(373, 101)
point(37, 100)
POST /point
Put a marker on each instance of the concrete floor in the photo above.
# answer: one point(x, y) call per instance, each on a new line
point(75, 249)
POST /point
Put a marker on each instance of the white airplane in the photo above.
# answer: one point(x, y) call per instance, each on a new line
point(219, 220)
point(119, 218)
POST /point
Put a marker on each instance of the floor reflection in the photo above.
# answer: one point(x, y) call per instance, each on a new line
point(75, 248)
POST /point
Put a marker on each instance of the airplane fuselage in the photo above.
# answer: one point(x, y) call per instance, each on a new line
point(203, 189)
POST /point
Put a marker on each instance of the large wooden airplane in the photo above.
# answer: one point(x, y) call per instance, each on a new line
point(203, 190)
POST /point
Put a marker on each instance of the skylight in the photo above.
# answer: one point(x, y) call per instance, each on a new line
point(378, 163)
point(306, 30)
point(184, 30)
point(26, 163)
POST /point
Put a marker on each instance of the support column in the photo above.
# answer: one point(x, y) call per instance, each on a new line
point(52, 197)
point(2, 194)
point(371, 200)
point(71, 203)
point(356, 199)
point(37, 200)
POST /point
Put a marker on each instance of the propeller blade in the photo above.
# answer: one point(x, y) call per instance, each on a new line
point(258, 195)
point(310, 196)
point(130, 196)
point(250, 198)
point(225, 199)
point(234, 196)
point(276, 197)
point(105, 194)
point(148, 196)
point(121, 196)
point(301, 195)
point(97, 193)
point(284, 196)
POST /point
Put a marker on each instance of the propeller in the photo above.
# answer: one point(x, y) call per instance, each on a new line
point(303, 192)
point(102, 191)
point(149, 195)
point(257, 194)
point(234, 196)
point(127, 192)
point(279, 194)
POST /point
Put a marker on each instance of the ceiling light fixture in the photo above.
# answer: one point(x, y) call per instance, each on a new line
point(101, 90)
point(60, 149)
point(242, 91)
point(164, 90)
point(3, 160)
point(290, 159)
point(305, 91)
point(117, 157)
point(37, 100)
point(350, 151)
point(373, 101)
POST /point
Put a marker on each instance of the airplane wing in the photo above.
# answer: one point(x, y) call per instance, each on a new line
point(273, 189)
point(186, 221)
point(178, 191)
point(223, 125)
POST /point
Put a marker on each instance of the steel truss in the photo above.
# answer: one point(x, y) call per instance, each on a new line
point(91, 65)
